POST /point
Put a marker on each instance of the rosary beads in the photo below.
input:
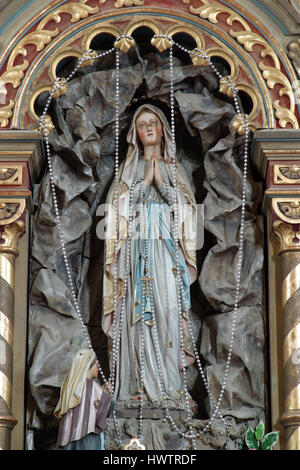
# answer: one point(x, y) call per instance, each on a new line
point(119, 305)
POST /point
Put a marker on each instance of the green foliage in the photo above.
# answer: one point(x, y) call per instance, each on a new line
point(269, 440)
point(251, 439)
point(260, 431)
point(256, 440)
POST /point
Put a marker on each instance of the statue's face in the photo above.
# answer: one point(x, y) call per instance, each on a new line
point(149, 128)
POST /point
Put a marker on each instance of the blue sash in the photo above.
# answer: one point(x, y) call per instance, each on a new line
point(156, 214)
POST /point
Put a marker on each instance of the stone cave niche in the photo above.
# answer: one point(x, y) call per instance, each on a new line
point(210, 145)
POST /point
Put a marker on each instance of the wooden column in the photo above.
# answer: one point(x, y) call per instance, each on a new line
point(276, 154)
point(20, 164)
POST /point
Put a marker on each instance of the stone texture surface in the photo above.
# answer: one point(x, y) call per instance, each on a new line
point(83, 161)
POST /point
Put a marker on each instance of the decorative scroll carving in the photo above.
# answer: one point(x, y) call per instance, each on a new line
point(287, 237)
point(11, 234)
point(290, 209)
point(248, 39)
point(10, 175)
point(287, 209)
point(7, 210)
point(10, 210)
point(239, 126)
point(287, 174)
point(14, 72)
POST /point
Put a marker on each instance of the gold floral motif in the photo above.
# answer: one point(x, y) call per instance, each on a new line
point(10, 175)
point(15, 73)
point(11, 234)
point(61, 86)
point(210, 11)
point(77, 10)
point(288, 209)
point(128, 3)
point(286, 235)
point(239, 124)
point(40, 38)
point(287, 174)
point(124, 44)
point(197, 60)
point(48, 125)
point(91, 57)
point(248, 39)
point(10, 210)
point(161, 43)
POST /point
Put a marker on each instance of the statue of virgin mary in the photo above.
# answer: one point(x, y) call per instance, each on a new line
point(150, 318)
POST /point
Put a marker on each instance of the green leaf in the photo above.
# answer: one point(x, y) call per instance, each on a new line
point(260, 431)
point(269, 440)
point(251, 440)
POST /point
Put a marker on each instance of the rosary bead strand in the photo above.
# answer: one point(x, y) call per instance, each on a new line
point(179, 284)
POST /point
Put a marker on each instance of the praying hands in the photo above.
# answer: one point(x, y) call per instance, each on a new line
point(153, 173)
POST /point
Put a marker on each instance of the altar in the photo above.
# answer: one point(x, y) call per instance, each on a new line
point(222, 96)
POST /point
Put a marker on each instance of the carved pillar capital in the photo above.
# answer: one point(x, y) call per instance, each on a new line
point(289, 239)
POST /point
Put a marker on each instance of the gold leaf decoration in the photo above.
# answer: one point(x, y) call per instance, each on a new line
point(286, 235)
point(291, 173)
point(287, 209)
point(61, 85)
point(11, 234)
point(91, 57)
point(15, 73)
point(128, 3)
point(10, 175)
point(48, 125)
point(77, 10)
point(290, 209)
point(40, 38)
point(248, 39)
point(210, 11)
point(10, 210)
point(161, 43)
point(124, 44)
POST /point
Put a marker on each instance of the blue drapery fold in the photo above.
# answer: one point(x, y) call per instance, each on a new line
point(158, 227)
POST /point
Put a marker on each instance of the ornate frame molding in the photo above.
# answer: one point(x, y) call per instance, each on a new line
point(222, 28)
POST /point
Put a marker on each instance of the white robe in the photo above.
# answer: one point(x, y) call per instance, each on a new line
point(165, 349)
